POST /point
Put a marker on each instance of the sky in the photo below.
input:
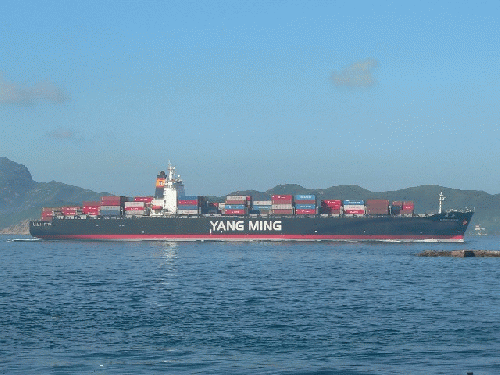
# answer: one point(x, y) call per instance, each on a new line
point(248, 95)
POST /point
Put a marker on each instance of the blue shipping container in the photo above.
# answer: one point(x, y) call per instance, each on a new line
point(182, 207)
point(188, 198)
point(110, 212)
point(305, 206)
point(259, 211)
point(235, 206)
point(305, 197)
point(261, 207)
point(354, 202)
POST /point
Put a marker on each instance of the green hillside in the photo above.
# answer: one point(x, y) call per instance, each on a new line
point(21, 198)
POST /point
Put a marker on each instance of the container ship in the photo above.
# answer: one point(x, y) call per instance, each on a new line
point(170, 215)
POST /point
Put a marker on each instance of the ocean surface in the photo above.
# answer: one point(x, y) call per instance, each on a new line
point(247, 308)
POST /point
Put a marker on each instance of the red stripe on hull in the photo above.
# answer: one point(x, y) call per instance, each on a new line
point(251, 237)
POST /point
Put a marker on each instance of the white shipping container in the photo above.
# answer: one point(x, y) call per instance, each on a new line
point(282, 206)
point(187, 212)
point(110, 208)
point(135, 213)
point(236, 198)
point(354, 207)
point(262, 203)
point(134, 204)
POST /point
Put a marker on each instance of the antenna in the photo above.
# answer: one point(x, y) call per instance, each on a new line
point(441, 199)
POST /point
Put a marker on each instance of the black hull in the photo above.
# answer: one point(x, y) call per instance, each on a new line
point(448, 227)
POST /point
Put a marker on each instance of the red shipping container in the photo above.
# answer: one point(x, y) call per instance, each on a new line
point(98, 208)
point(355, 212)
point(236, 202)
point(397, 203)
point(69, 212)
point(156, 207)
point(331, 202)
point(235, 212)
point(377, 203)
point(377, 210)
point(134, 208)
point(47, 214)
point(91, 204)
point(70, 208)
point(280, 197)
point(305, 202)
point(329, 210)
point(282, 212)
point(110, 202)
point(408, 207)
point(143, 199)
point(114, 198)
point(187, 202)
point(306, 212)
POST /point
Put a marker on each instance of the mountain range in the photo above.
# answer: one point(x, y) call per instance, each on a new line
point(21, 198)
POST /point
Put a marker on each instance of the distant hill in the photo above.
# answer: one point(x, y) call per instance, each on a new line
point(22, 199)
point(486, 206)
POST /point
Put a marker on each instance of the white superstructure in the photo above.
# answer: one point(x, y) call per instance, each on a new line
point(172, 190)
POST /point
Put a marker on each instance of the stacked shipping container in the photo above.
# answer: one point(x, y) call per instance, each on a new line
point(91, 208)
point(189, 205)
point(377, 207)
point(354, 207)
point(212, 208)
point(236, 205)
point(396, 207)
point(261, 207)
point(71, 211)
point(331, 206)
point(282, 204)
point(305, 205)
point(407, 208)
point(147, 200)
point(112, 205)
point(48, 213)
point(135, 208)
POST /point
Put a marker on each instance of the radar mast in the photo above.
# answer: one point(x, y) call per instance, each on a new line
point(441, 199)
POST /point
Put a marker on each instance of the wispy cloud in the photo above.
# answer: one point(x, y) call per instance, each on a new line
point(358, 74)
point(13, 93)
point(61, 134)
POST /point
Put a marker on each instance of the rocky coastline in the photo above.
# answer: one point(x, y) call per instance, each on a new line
point(461, 253)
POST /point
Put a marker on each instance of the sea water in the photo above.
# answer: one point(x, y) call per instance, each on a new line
point(250, 308)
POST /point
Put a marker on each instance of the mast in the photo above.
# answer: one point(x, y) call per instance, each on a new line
point(441, 199)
